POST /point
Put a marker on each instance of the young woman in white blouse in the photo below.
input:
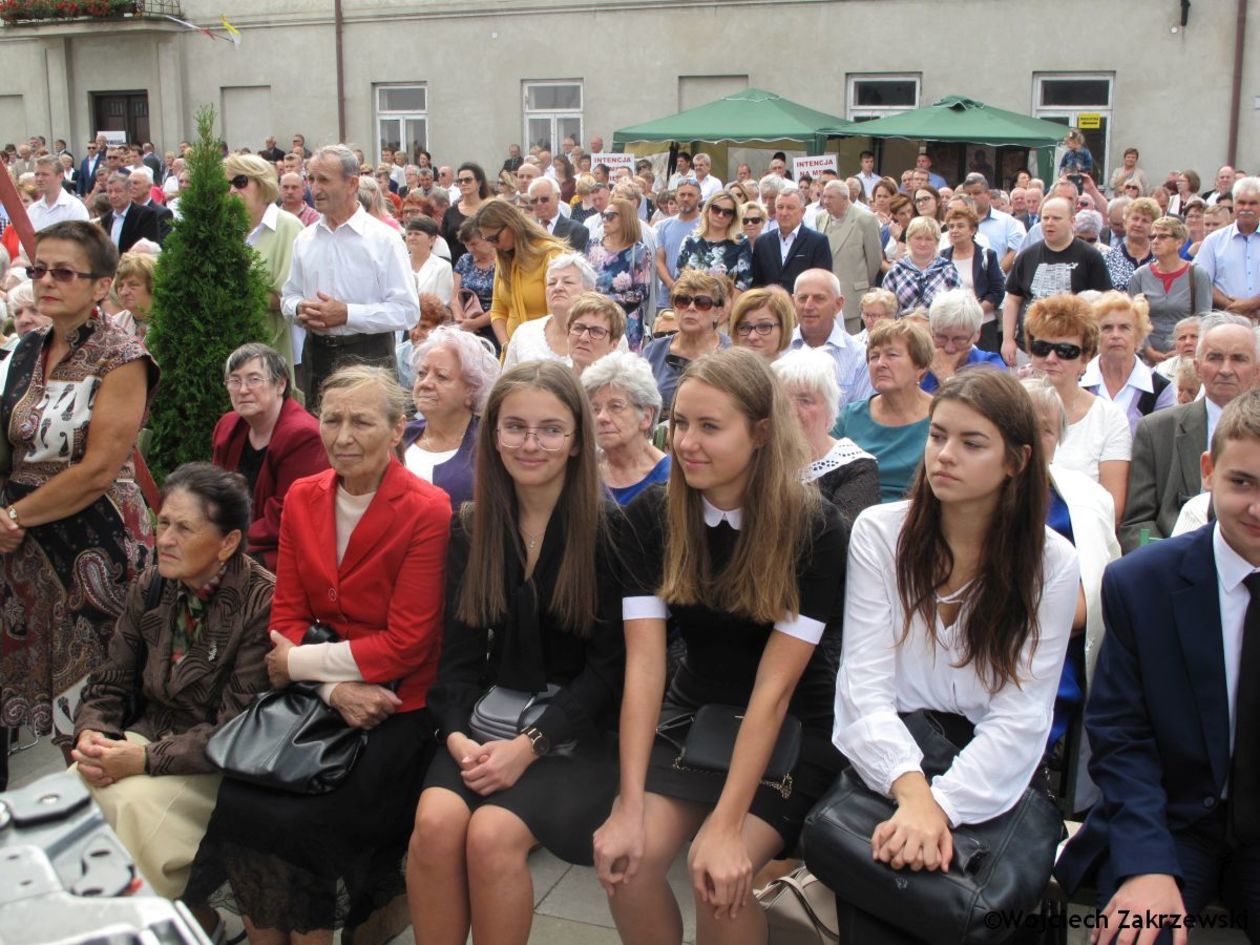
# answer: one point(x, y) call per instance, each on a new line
point(960, 601)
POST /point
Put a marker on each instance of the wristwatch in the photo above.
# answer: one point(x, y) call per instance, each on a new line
point(12, 512)
point(538, 740)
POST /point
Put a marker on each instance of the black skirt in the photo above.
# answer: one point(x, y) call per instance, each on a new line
point(562, 801)
point(819, 765)
point(300, 862)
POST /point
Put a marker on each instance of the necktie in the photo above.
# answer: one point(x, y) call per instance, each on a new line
point(1244, 772)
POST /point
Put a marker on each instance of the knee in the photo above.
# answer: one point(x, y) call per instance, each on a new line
point(493, 847)
point(437, 836)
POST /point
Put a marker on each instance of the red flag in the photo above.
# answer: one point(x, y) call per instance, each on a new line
point(17, 213)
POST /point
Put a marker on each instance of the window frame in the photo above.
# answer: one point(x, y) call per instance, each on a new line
point(553, 115)
point(400, 115)
point(856, 112)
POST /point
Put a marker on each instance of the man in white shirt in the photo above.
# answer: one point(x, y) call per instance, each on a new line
point(867, 174)
point(702, 164)
point(1003, 232)
point(350, 285)
point(55, 203)
point(819, 302)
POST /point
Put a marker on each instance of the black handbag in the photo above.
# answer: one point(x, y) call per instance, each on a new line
point(999, 866)
point(289, 739)
point(502, 714)
point(710, 743)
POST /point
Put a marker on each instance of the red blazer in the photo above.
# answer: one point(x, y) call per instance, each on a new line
point(386, 598)
point(295, 451)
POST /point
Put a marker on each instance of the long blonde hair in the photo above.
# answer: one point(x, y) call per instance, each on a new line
point(531, 243)
point(778, 508)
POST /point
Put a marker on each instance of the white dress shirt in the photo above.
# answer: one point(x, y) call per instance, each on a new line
point(880, 678)
point(268, 222)
point(65, 207)
point(362, 263)
point(1231, 568)
point(709, 186)
point(786, 240)
point(116, 225)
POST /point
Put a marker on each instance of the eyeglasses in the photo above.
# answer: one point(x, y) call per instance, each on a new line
point(240, 182)
point(951, 341)
point(610, 214)
point(492, 238)
point(702, 303)
point(924, 198)
point(1065, 351)
point(726, 212)
point(1163, 236)
point(597, 332)
point(249, 382)
point(744, 329)
point(534, 201)
point(512, 436)
point(464, 180)
point(752, 221)
point(59, 273)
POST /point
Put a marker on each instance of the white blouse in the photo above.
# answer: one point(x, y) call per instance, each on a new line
point(1100, 436)
point(879, 679)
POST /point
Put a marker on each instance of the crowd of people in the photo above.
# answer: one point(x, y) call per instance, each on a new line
point(640, 450)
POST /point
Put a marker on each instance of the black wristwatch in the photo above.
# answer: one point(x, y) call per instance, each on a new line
point(538, 740)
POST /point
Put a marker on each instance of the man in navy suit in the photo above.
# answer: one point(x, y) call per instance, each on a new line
point(87, 167)
point(779, 257)
point(1174, 715)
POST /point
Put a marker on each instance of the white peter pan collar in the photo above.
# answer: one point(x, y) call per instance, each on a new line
point(713, 516)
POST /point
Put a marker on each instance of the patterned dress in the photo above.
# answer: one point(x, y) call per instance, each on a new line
point(624, 277)
point(730, 258)
point(63, 588)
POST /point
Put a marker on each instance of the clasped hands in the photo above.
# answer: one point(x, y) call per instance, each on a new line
point(491, 766)
point(102, 760)
point(321, 313)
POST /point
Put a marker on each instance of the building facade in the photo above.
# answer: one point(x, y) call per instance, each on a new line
point(466, 79)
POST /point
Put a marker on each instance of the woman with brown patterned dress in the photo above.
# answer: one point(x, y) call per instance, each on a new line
point(74, 530)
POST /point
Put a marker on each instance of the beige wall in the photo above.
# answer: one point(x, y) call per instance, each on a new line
point(1171, 90)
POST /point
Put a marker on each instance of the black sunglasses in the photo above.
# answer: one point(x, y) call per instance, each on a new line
point(752, 221)
point(727, 212)
point(59, 273)
point(702, 302)
point(1065, 351)
point(240, 182)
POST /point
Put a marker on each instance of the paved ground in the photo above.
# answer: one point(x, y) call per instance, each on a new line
point(570, 908)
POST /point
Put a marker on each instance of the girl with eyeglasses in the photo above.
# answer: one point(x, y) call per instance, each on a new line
point(698, 300)
point(718, 244)
point(1062, 336)
point(761, 640)
point(623, 265)
point(531, 606)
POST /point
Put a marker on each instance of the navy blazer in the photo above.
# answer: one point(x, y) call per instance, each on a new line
point(1158, 711)
point(455, 476)
point(986, 274)
point(810, 250)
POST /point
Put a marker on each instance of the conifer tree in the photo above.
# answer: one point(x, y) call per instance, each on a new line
point(209, 297)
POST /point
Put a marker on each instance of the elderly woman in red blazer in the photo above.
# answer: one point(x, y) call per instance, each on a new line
point(363, 552)
point(266, 437)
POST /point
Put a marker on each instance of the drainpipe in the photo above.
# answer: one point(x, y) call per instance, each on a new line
point(1235, 96)
point(339, 26)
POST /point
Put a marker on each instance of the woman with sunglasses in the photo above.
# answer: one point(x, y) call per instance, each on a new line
point(473, 191)
point(698, 300)
point(754, 220)
point(623, 265)
point(763, 321)
point(533, 560)
point(718, 246)
point(72, 402)
point(523, 250)
point(1062, 335)
point(762, 639)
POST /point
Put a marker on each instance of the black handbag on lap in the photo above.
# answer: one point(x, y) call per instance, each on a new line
point(1000, 865)
point(289, 739)
point(710, 743)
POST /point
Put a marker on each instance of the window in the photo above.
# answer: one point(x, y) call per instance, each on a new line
point(553, 112)
point(401, 120)
point(1078, 100)
point(874, 96)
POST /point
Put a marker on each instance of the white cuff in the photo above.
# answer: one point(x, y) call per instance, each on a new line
point(326, 691)
point(324, 662)
point(644, 608)
point(803, 628)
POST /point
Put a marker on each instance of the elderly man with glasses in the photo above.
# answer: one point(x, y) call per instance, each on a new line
point(544, 204)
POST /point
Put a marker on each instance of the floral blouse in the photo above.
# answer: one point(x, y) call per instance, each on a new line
point(476, 279)
point(731, 258)
point(624, 277)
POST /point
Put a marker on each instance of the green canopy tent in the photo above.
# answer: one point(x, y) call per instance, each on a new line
point(753, 117)
point(959, 120)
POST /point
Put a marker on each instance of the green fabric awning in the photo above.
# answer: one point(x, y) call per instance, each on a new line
point(958, 119)
point(750, 115)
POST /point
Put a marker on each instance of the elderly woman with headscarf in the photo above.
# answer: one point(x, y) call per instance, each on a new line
point(454, 372)
point(271, 234)
point(626, 406)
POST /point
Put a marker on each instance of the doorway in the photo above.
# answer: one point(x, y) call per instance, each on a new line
point(127, 112)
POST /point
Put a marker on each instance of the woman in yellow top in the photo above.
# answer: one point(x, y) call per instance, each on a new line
point(523, 250)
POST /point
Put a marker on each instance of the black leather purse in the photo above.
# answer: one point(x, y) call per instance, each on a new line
point(710, 743)
point(289, 739)
point(1001, 865)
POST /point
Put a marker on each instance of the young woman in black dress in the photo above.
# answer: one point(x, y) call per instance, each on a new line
point(531, 601)
point(749, 563)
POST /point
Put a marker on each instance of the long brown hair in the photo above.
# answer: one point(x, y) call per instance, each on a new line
point(491, 518)
point(531, 243)
point(1001, 604)
point(778, 508)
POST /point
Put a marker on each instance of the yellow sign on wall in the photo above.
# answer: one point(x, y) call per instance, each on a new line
point(1089, 121)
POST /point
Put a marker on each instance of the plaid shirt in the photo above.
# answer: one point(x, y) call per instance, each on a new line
point(915, 287)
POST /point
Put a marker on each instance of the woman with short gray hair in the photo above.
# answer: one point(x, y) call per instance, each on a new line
point(547, 338)
point(268, 438)
point(955, 320)
point(626, 405)
point(846, 474)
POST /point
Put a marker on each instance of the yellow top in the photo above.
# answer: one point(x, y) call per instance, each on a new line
point(527, 298)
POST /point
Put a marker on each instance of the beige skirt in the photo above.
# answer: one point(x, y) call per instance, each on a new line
point(160, 820)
